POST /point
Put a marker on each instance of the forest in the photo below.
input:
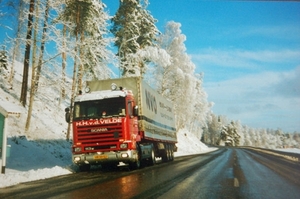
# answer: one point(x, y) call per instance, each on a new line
point(78, 40)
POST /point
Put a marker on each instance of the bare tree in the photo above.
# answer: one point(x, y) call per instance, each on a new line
point(24, 88)
point(63, 65)
point(19, 8)
point(36, 70)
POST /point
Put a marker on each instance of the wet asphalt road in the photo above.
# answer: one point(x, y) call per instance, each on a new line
point(225, 173)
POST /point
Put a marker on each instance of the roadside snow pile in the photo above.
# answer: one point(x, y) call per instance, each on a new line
point(189, 144)
point(13, 177)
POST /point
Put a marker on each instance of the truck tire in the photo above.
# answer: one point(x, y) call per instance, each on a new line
point(172, 153)
point(137, 164)
point(169, 153)
point(152, 160)
point(166, 153)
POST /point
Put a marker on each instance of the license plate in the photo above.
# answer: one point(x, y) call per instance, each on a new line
point(100, 157)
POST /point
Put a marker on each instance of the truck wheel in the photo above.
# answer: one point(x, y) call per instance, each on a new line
point(137, 164)
point(166, 154)
point(152, 160)
point(172, 153)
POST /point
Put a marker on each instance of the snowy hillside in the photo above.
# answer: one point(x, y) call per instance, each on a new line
point(43, 151)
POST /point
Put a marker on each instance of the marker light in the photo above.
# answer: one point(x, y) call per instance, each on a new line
point(87, 89)
point(114, 86)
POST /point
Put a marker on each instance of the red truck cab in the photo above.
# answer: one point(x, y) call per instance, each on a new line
point(105, 128)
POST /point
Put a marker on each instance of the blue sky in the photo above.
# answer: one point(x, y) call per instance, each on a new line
point(249, 52)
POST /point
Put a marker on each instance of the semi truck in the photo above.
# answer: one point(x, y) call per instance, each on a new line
point(119, 122)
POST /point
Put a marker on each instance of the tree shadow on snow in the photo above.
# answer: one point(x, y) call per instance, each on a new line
point(28, 155)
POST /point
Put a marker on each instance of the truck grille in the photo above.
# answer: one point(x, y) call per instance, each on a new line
point(97, 137)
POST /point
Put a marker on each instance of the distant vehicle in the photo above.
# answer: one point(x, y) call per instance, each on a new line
point(122, 122)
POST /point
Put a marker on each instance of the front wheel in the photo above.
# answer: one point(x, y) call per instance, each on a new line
point(137, 164)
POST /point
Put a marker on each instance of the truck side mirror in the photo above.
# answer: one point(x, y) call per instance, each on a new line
point(67, 115)
point(135, 111)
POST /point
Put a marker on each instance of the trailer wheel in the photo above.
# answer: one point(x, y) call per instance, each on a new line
point(169, 152)
point(166, 154)
point(172, 153)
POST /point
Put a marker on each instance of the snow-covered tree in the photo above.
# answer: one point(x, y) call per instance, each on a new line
point(37, 67)
point(247, 139)
point(178, 82)
point(239, 129)
point(23, 97)
point(134, 29)
point(3, 58)
point(17, 18)
point(214, 126)
point(230, 135)
point(86, 21)
point(201, 111)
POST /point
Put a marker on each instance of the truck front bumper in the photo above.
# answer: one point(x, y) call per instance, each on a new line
point(105, 157)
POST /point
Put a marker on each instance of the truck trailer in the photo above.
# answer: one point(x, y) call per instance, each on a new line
point(121, 122)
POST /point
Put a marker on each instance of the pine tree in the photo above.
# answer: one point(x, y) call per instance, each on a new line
point(87, 24)
point(230, 135)
point(134, 29)
point(3, 58)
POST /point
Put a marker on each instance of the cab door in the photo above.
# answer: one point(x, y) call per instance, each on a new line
point(133, 123)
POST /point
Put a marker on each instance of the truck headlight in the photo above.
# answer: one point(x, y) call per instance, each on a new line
point(124, 146)
point(124, 155)
point(77, 159)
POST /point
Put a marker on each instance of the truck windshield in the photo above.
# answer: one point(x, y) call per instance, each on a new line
point(111, 107)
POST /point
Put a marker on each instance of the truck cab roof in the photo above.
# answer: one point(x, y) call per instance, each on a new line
point(98, 95)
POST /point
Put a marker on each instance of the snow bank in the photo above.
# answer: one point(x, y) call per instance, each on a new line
point(13, 177)
point(35, 159)
point(189, 144)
